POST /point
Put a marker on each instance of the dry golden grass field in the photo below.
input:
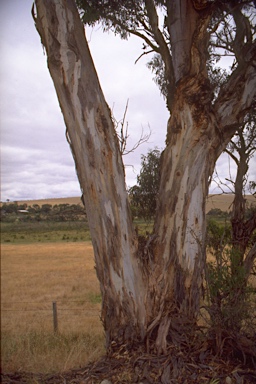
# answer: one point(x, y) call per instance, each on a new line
point(35, 275)
point(32, 277)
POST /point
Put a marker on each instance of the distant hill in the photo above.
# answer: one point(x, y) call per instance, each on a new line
point(222, 202)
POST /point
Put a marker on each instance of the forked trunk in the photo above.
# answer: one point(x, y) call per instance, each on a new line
point(140, 295)
point(147, 292)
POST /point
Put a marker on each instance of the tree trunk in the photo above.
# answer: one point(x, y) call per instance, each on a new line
point(99, 166)
point(179, 254)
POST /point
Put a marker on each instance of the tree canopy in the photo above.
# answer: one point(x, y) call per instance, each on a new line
point(228, 31)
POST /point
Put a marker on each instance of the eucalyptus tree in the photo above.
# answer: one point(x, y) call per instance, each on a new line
point(151, 294)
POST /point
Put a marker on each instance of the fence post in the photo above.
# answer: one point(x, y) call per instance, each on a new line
point(55, 317)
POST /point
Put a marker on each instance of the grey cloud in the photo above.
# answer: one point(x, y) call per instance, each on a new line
point(36, 159)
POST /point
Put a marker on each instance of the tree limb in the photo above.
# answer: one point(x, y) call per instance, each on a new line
point(236, 96)
point(232, 156)
point(163, 47)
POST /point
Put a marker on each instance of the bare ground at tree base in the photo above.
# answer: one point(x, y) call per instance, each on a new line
point(185, 366)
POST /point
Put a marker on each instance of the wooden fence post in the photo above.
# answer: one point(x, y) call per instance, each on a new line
point(55, 317)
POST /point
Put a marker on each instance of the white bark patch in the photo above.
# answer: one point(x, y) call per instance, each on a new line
point(70, 63)
point(90, 119)
point(186, 120)
point(186, 127)
point(249, 88)
point(67, 57)
point(91, 127)
point(226, 111)
point(174, 222)
point(117, 281)
point(76, 79)
point(109, 212)
point(182, 193)
point(179, 210)
point(192, 246)
point(129, 273)
point(126, 250)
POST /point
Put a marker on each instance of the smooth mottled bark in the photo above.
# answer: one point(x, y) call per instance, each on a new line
point(99, 166)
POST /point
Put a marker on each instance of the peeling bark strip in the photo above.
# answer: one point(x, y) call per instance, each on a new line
point(98, 162)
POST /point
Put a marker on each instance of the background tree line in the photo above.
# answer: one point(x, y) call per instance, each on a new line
point(11, 212)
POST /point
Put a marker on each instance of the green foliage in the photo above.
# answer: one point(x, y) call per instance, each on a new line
point(24, 232)
point(156, 65)
point(144, 195)
point(217, 212)
point(226, 292)
point(44, 231)
point(250, 211)
point(46, 208)
point(229, 294)
point(252, 187)
point(218, 236)
point(9, 208)
point(125, 17)
point(94, 298)
point(117, 15)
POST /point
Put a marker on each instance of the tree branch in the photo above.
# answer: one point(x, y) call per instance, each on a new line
point(143, 54)
point(243, 36)
point(232, 156)
point(123, 135)
point(163, 47)
point(236, 96)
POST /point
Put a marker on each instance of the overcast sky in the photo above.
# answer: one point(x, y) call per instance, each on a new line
point(36, 162)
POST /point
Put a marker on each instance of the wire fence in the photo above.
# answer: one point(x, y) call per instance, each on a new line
point(54, 308)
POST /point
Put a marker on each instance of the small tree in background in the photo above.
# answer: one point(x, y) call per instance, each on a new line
point(241, 149)
point(144, 194)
